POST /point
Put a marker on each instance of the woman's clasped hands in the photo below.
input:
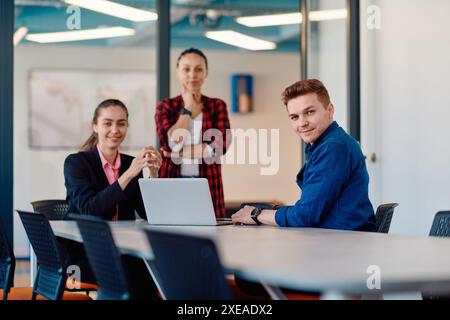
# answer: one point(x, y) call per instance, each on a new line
point(148, 157)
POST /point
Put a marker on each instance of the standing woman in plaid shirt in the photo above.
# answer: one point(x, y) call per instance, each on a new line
point(193, 129)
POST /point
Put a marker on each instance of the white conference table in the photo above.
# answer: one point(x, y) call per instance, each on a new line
point(329, 261)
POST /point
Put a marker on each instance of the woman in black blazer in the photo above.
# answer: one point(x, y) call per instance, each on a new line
point(101, 181)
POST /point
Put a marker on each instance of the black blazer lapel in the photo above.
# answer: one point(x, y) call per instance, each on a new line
point(127, 210)
point(125, 163)
point(101, 179)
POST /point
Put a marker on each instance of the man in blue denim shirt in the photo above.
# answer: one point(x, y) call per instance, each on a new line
point(334, 180)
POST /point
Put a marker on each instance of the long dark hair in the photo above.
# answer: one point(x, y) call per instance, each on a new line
point(92, 141)
point(194, 51)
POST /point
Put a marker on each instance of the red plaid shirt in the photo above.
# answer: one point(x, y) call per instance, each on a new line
point(215, 116)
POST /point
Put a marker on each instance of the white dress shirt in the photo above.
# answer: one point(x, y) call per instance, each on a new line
point(190, 167)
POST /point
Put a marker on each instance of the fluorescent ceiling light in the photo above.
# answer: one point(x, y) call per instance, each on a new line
point(291, 18)
point(270, 20)
point(325, 15)
point(240, 40)
point(19, 35)
point(115, 9)
point(79, 35)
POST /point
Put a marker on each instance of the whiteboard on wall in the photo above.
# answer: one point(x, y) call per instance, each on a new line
point(62, 104)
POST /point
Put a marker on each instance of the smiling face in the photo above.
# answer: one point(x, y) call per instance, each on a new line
point(192, 72)
point(111, 127)
point(309, 117)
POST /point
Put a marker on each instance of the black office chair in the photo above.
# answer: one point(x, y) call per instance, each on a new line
point(51, 274)
point(188, 267)
point(104, 258)
point(58, 210)
point(119, 277)
point(383, 216)
point(441, 225)
point(439, 228)
point(7, 263)
point(52, 209)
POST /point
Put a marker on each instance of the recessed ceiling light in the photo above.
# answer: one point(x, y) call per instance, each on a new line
point(325, 15)
point(115, 9)
point(19, 35)
point(79, 35)
point(270, 20)
point(240, 40)
point(291, 18)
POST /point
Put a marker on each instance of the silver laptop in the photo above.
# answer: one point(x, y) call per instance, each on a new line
point(179, 202)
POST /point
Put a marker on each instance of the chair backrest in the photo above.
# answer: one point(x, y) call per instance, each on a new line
point(7, 262)
point(384, 215)
point(104, 258)
point(439, 228)
point(188, 267)
point(441, 224)
point(53, 209)
point(51, 275)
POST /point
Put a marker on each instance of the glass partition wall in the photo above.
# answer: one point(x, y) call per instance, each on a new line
point(69, 56)
point(253, 51)
point(327, 52)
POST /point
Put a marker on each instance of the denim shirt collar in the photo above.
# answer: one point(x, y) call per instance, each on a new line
point(311, 147)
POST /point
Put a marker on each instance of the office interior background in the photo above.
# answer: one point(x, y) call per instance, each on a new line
point(404, 83)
